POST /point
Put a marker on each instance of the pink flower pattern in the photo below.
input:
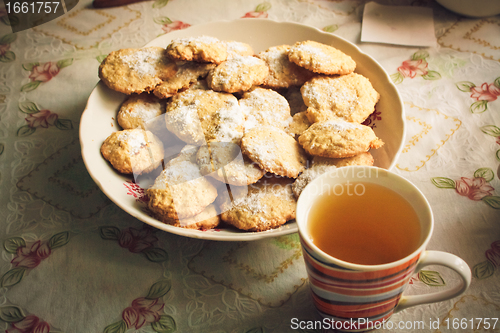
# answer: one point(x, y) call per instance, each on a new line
point(255, 14)
point(259, 12)
point(416, 66)
point(30, 324)
point(44, 72)
point(483, 94)
point(43, 118)
point(136, 191)
point(4, 48)
point(496, 246)
point(142, 312)
point(412, 68)
point(32, 256)
point(370, 121)
point(136, 240)
point(487, 92)
point(175, 25)
point(474, 188)
point(493, 253)
point(493, 256)
point(487, 268)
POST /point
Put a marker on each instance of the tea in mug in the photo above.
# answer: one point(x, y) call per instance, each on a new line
point(364, 223)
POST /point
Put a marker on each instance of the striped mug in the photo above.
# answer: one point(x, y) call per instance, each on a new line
point(354, 297)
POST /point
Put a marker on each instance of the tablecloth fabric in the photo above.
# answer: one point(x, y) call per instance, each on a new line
point(72, 261)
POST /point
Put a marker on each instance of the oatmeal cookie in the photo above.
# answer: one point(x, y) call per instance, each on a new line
point(274, 151)
point(360, 159)
point(238, 74)
point(269, 204)
point(133, 151)
point(186, 74)
point(208, 219)
point(180, 191)
point(136, 70)
point(338, 139)
point(321, 58)
point(138, 109)
point(230, 194)
point(282, 72)
point(199, 116)
point(347, 97)
point(224, 162)
point(265, 107)
point(199, 49)
point(235, 49)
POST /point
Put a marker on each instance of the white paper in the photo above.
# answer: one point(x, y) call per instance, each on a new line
point(402, 25)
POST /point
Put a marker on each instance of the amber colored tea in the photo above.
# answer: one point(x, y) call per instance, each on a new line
point(364, 223)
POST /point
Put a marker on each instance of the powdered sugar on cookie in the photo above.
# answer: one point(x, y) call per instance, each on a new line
point(135, 139)
point(177, 173)
point(230, 126)
point(237, 74)
point(339, 125)
point(265, 107)
point(144, 61)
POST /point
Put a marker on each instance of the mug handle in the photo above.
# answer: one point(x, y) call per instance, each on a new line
point(444, 259)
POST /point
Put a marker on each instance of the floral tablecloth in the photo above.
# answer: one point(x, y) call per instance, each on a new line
point(72, 261)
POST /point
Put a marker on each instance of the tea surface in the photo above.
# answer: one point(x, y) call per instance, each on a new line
point(364, 223)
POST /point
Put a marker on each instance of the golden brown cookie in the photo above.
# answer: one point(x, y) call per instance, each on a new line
point(338, 139)
point(269, 204)
point(186, 74)
point(360, 159)
point(136, 70)
point(138, 109)
point(133, 151)
point(200, 49)
point(229, 194)
point(299, 124)
point(308, 176)
point(348, 97)
point(180, 191)
point(208, 219)
point(282, 72)
point(265, 107)
point(321, 58)
point(225, 162)
point(235, 48)
point(238, 74)
point(274, 151)
point(199, 116)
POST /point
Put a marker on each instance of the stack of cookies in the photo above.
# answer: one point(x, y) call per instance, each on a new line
point(248, 131)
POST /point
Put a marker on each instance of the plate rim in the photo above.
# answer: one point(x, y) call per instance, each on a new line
point(287, 228)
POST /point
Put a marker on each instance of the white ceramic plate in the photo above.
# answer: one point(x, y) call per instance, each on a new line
point(99, 118)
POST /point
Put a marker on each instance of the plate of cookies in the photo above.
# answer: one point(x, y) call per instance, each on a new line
point(213, 131)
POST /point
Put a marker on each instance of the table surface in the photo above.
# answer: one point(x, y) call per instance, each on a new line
point(72, 261)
